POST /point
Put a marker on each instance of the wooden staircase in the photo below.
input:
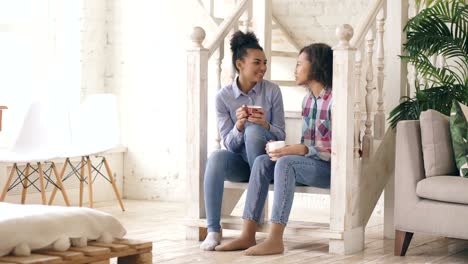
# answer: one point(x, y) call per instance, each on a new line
point(357, 182)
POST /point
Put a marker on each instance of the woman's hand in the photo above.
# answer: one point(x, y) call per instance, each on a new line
point(258, 117)
point(298, 149)
point(241, 115)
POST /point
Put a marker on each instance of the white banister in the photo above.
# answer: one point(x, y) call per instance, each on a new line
point(379, 118)
point(225, 27)
point(434, 61)
point(232, 71)
point(197, 36)
point(196, 121)
point(219, 62)
point(357, 104)
point(368, 141)
point(211, 8)
point(246, 18)
point(440, 61)
point(262, 28)
point(219, 68)
point(344, 210)
point(366, 23)
point(412, 75)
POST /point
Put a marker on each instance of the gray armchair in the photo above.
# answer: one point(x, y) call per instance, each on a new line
point(429, 197)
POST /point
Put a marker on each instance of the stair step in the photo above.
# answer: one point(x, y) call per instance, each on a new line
point(299, 189)
point(288, 54)
point(284, 83)
point(297, 228)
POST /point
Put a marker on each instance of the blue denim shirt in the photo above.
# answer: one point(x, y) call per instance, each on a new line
point(265, 94)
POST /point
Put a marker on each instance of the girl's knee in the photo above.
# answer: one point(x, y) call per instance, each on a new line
point(217, 160)
point(220, 155)
point(284, 162)
point(254, 130)
point(262, 161)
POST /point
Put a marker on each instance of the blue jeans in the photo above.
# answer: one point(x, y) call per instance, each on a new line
point(285, 174)
point(227, 165)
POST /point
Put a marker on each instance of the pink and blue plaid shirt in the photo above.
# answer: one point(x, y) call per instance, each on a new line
point(317, 125)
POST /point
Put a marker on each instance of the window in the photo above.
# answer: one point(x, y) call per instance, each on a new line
point(40, 51)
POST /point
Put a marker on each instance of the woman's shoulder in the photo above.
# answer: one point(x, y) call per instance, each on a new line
point(225, 93)
point(228, 88)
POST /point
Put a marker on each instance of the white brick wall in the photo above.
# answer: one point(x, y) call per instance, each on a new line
point(146, 67)
point(315, 20)
point(94, 48)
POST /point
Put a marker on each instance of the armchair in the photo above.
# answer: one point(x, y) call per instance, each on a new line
point(429, 198)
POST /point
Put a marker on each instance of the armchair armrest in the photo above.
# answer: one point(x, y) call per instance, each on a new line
point(409, 168)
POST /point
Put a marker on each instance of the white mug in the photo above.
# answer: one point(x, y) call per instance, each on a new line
point(276, 145)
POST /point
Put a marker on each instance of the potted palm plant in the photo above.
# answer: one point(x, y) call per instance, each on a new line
point(441, 29)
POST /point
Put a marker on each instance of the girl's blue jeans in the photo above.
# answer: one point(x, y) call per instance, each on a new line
point(227, 165)
point(285, 173)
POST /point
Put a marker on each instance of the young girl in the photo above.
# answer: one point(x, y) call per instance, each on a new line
point(307, 163)
point(244, 133)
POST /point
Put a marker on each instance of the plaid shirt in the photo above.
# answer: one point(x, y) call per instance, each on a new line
point(316, 124)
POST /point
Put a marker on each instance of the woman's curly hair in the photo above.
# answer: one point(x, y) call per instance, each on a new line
point(240, 42)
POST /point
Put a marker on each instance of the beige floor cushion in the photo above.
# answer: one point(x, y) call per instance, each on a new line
point(24, 228)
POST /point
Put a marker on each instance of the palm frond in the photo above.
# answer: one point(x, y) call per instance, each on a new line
point(426, 3)
point(437, 98)
point(434, 36)
point(440, 76)
point(440, 29)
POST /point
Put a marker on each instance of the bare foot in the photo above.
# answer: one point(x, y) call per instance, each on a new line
point(239, 243)
point(267, 247)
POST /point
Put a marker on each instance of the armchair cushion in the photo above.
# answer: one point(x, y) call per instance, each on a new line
point(459, 133)
point(437, 144)
point(444, 188)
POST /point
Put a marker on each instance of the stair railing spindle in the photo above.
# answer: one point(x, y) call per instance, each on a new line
point(379, 118)
point(368, 141)
point(357, 103)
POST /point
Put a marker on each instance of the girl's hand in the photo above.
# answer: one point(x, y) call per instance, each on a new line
point(298, 149)
point(241, 115)
point(258, 117)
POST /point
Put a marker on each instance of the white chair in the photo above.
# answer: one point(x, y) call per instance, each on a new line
point(44, 132)
point(94, 130)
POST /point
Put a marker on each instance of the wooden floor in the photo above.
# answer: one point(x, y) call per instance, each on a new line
point(162, 223)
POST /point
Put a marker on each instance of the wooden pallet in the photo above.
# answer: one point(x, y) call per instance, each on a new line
point(126, 251)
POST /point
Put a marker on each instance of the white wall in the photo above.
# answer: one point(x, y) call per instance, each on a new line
point(316, 21)
point(147, 69)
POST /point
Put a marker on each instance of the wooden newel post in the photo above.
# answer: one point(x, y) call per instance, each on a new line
point(344, 201)
point(196, 139)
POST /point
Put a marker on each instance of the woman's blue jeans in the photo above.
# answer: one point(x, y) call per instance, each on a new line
point(285, 174)
point(226, 165)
